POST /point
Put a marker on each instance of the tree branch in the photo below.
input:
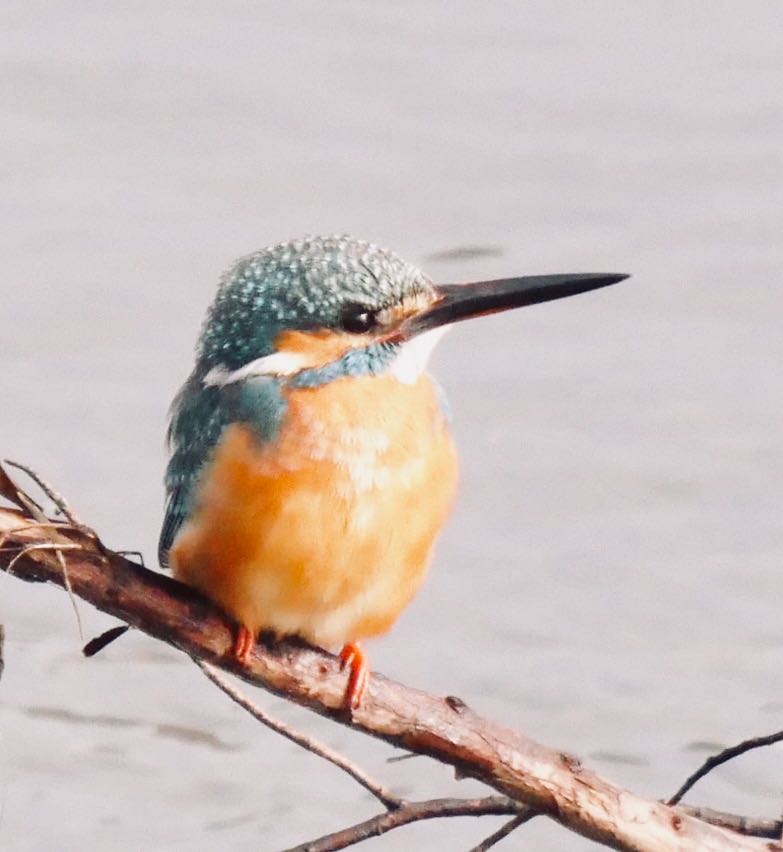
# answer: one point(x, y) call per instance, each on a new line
point(413, 812)
point(59, 501)
point(724, 757)
point(547, 781)
point(384, 796)
point(751, 826)
point(503, 831)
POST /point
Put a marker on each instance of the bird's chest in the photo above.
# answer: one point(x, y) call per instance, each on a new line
point(359, 436)
point(325, 531)
point(353, 462)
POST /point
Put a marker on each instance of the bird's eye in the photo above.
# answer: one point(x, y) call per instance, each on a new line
point(358, 319)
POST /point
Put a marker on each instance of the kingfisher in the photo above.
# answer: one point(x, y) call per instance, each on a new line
point(312, 466)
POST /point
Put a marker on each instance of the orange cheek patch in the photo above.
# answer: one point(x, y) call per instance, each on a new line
point(317, 348)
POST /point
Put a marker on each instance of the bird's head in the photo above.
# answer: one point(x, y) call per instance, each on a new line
point(335, 306)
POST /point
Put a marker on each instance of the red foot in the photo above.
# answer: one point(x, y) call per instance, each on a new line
point(352, 656)
point(244, 642)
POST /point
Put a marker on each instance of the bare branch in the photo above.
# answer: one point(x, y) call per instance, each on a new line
point(384, 796)
point(503, 831)
point(724, 757)
point(59, 501)
point(750, 826)
point(45, 545)
point(13, 493)
point(413, 812)
point(547, 781)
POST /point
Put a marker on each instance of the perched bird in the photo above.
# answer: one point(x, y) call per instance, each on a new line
point(312, 466)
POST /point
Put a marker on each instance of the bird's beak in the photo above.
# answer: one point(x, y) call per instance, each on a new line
point(455, 302)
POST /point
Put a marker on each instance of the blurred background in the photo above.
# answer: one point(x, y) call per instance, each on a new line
point(609, 581)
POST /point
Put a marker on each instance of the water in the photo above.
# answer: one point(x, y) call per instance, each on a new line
point(609, 581)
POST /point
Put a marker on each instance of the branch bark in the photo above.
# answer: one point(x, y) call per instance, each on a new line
point(415, 812)
point(549, 782)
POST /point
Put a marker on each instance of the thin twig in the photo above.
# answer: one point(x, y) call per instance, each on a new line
point(35, 510)
point(46, 524)
point(414, 812)
point(398, 758)
point(128, 553)
point(56, 546)
point(723, 757)
point(384, 796)
point(40, 525)
point(12, 492)
point(2, 643)
point(58, 549)
point(503, 831)
point(749, 826)
point(59, 501)
point(71, 596)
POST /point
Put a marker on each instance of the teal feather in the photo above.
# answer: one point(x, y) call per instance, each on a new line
point(304, 284)
point(199, 416)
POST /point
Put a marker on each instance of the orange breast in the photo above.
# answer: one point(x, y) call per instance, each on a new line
point(326, 532)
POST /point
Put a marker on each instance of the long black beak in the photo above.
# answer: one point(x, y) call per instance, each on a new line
point(457, 302)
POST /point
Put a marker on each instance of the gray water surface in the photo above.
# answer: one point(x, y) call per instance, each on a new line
point(609, 582)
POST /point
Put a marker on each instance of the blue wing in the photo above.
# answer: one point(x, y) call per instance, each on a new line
point(199, 415)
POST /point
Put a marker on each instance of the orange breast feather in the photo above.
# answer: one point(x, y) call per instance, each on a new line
point(327, 531)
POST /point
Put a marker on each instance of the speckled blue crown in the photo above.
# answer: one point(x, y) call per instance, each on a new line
point(298, 285)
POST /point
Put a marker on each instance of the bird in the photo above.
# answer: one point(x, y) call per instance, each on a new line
point(312, 464)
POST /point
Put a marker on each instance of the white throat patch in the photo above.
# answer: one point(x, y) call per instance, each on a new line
point(414, 354)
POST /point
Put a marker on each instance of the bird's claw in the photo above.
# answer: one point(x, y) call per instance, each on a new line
point(353, 657)
point(244, 642)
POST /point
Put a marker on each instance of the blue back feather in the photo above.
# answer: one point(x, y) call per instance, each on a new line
point(198, 417)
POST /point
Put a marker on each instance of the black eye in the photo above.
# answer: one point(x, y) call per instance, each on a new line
point(358, 319)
